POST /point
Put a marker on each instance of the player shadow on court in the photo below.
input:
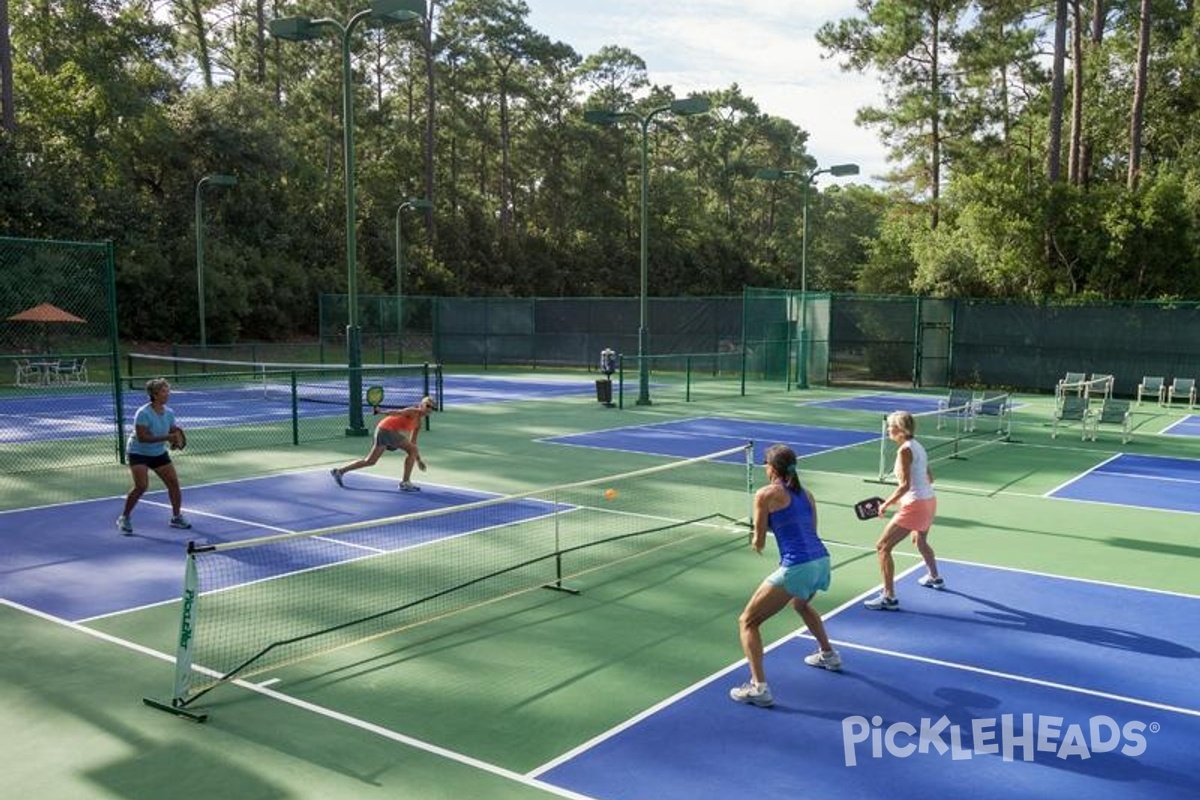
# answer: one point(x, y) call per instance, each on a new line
point(1018, 619)
point(544, 610)
point(1124, 542)
point(961, 705)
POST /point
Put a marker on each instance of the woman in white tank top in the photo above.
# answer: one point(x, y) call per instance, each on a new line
point(917, 506)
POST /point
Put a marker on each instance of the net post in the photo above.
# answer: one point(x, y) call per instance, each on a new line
point(557, 585)
point(620, 381)
point(295, 411)
point(183, 653)
point(883, 440)
point(749, 451)
point(958, 433)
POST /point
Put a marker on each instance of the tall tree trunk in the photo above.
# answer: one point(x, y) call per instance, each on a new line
point(1057, 92)
point(1138, 112)
point(8, 115)
point(506, 192)
point(260, 42)
point(195, 11)
point(1074, 159)
point(430, 116)
point(935, 129)
point(1086, 144)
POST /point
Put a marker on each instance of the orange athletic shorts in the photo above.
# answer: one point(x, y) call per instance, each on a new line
point(916, 515)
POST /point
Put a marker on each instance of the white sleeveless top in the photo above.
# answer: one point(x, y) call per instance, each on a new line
point(918, 476)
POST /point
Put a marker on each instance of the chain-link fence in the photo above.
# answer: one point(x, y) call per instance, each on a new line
point(58, 343)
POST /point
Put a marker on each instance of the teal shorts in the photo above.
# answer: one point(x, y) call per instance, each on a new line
point(803, 580)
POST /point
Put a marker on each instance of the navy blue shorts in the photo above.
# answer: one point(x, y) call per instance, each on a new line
point(153, 462)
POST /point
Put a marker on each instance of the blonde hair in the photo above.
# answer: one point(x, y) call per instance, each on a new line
point(904, 421)
point(427, 402)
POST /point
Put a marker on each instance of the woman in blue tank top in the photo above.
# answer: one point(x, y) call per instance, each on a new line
point(790, 512)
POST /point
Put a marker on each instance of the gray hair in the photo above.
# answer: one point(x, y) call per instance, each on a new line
point(154, 384)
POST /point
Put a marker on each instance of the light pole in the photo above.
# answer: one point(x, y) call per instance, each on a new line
point(213, 180)
point(687, 106)
point(837, 170)
point(298, 29)
point(412, 202)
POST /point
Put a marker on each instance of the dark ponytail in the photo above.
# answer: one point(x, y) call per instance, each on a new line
point(783, 461)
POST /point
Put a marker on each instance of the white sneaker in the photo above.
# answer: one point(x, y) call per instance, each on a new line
point(180, 521)
point(830, 660)
point(755, 694)
point(406, 486)
point(930, 582)
point(882, 603)
point(124, 525)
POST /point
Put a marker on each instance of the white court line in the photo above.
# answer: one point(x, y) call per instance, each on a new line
point(802, 633)
point(654, 709)
point(1021, 678)
point(1081, 476)
point(313, 708)
point(1055, 576)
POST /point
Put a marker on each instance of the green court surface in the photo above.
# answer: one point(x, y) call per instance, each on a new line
point(468, 705)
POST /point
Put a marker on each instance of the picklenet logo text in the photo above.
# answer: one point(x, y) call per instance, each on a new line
point(1003, 737)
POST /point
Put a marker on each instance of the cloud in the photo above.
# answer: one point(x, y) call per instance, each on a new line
point(768, 48)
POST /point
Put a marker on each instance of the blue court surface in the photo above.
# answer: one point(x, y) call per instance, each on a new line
point(475, 389)
point(69, 560)
point(882, 403)
point(36, 418)
point(1007, 684)
point(700, 436)
point(1188, 426)
point(1160, 482)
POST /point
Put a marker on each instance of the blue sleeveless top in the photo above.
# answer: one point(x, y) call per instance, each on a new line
point(795, 531)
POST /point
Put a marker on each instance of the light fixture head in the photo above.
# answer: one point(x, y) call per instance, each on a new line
point(293, 29)
point(689, 106)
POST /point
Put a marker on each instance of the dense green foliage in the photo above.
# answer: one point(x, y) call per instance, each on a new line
point(122, 106)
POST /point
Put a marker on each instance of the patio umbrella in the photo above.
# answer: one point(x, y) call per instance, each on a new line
point(46, 314)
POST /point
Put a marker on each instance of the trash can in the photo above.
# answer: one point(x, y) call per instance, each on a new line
point(604, 391)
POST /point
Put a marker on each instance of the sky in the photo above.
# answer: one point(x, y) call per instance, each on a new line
point(767, 47)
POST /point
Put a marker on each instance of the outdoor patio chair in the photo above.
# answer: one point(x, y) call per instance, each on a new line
point(958, 403)
point(1112, 412)
point(27, 373)
point(1072, 382)
point(1155, 386)
point(1099, 386)
point(1071, 409)
point(1182, 388)
point(71, 370)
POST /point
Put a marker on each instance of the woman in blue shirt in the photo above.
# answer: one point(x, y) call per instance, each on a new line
point(153, 430)
point(790, 512)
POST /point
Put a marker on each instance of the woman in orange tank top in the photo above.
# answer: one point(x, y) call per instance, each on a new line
point(398, 430)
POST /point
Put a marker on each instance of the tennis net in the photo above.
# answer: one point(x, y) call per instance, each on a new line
point(963, 423)
point(258, 604)
point(403, 384)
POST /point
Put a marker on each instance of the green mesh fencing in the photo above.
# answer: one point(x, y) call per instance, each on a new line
point(58, 346)
point(550, 332)
point(1030, 346)
point(923, 342)
point(787, 335)
point(394, 330)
